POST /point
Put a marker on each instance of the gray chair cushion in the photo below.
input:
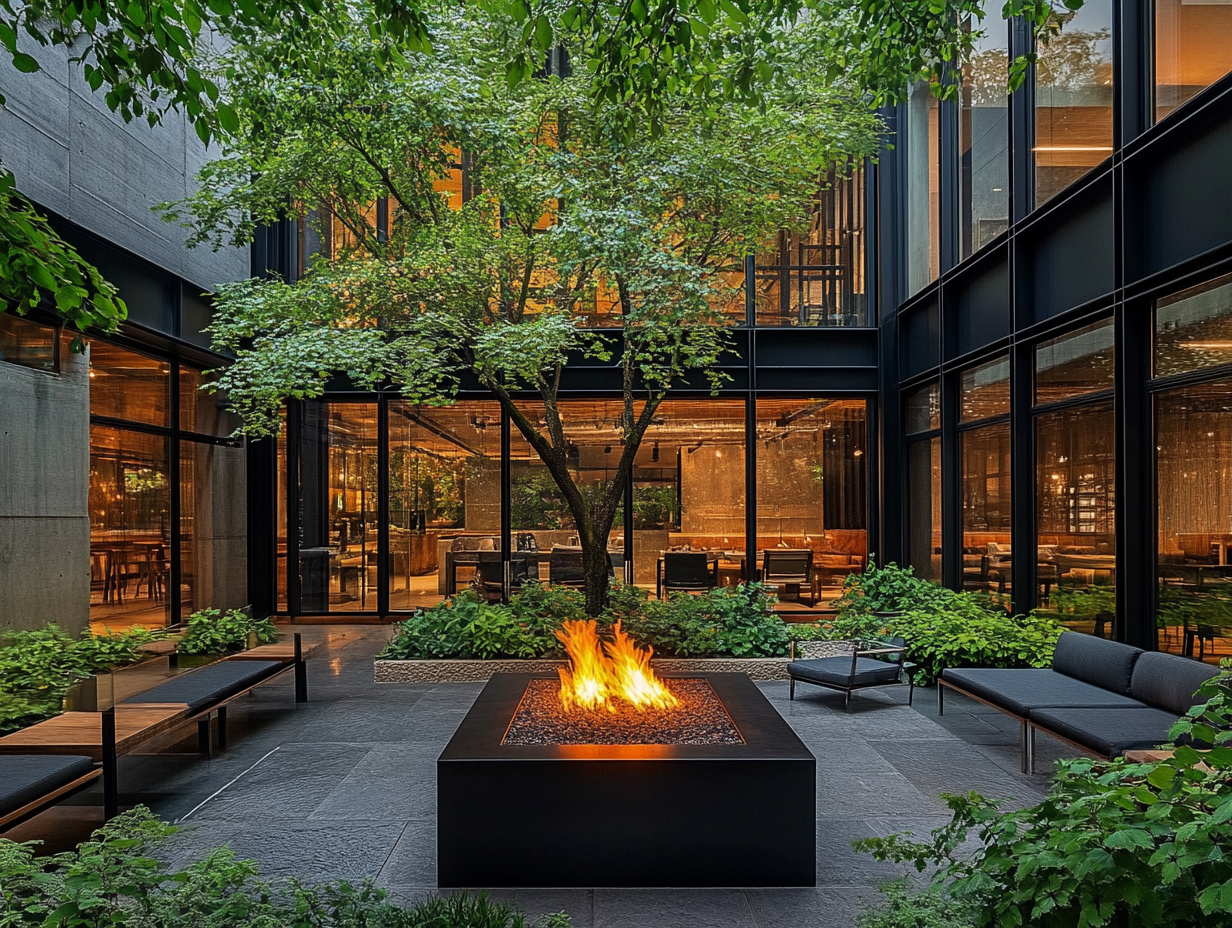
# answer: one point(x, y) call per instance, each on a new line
point(836, 671)
point(1168, 681)
point(1109, 732)
point(209, 684)
point(1023, 691)
point(25, 778)
point(1097, 661)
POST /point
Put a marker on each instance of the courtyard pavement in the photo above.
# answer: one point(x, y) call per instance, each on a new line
point(344, 787)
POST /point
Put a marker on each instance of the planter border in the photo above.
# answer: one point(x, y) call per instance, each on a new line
point(476, 671)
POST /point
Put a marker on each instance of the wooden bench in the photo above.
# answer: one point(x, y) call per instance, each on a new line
point(30, 783)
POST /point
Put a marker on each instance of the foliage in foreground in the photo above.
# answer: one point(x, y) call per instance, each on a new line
point(212, 631)
point(1114, 843)
point(725, 622)
point(38, 667)
point(942, 628)
point(115, 879)
point(905, 908)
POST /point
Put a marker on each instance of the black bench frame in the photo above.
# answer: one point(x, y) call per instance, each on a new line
point(1026, 737)
point(46, 801)
point(904, 667)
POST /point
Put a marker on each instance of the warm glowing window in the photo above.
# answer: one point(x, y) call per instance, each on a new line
point(1193, 49)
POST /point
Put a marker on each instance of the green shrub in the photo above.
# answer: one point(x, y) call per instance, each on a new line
point(212, 631)
point(38, 667)
point(905, 908)
point(724, 622)
point(1114, 843)
point(115, 879)
point(467, 628)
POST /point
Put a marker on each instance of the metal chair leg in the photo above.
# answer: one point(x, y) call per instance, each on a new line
point(1022, 744)
point(940, 698)
point(910, 689)
point(847, 700)
point(1031, 746)
point(792, 688)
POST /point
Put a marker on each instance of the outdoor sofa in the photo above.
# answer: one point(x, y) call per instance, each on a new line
point(1099, 695)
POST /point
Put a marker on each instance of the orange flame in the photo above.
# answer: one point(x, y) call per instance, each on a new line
point(602, 673)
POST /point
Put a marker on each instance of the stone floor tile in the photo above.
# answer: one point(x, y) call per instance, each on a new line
point(412, 862)
point(672, 908)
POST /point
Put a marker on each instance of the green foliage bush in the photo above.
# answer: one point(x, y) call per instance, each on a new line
point(38, 667)
point(1115, 843)
point(468, 628)
point(735, 622)
point(905, 908)
point(115, 879)
point(212, 631)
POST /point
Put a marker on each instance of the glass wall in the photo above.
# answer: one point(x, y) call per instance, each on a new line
point(923, 188)
point(28, 343)
point(1073, 98)
point(816, 278)
point(1193, 49)
point(812, 488)
point(983, 136)
point(922, 415)
point(984, 451)
point(1193, 474)
point(444, 497)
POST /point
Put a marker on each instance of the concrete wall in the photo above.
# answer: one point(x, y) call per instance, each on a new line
point(73, 156)
point(44, 486)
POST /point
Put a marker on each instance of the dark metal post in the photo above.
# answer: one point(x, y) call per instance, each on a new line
point(385, 557)
point(111, 791)
point(750, 484)
point(506, 514)
point(301, 671)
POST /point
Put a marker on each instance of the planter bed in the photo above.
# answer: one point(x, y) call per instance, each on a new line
point(475, 671)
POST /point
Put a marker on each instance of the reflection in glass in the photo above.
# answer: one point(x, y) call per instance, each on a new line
point(812, 486)
point(1193, 474)
point(923, 408)
point(1074, 364)
point(203, 410)
point(280, 518)
point(924, 508)
point(130, 528)
point(688, 488)
point(985, 390)
point(986, 512)
point(27, 343)
point(1075, 460)
point(983, 133)
point(1073, 98)
point(1193, 329)
point(1193, 49)
point(127, 385)
point(923, 157)
point(444, 497)
point(816, 278)
point(213, 530)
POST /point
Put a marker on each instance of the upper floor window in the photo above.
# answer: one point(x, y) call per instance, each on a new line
point(1075, 364)
point(923, 187)
point(127, 385)
point(984, 136)
point(1193, 328)
point(27, 343)
point(1073, 98)
point(1193, 49)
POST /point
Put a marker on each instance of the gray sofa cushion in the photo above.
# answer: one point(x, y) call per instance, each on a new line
point(1168, 681)
point(209, 684)
point(1109, 731)
point(836, 671)
point(27, 777)
point(1023, 691)
point(1108, 664)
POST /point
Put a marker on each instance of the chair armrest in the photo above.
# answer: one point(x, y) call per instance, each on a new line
point(882, 651)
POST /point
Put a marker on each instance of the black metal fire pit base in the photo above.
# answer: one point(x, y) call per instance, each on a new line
point(626, 815)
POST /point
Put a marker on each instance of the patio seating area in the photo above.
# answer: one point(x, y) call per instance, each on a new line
point(344, 787)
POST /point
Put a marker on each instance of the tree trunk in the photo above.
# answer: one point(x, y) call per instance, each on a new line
point(597, 565)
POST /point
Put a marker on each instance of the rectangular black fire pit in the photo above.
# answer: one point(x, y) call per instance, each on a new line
point(730, 814)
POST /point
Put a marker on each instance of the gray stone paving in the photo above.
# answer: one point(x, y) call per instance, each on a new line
point(344, 787)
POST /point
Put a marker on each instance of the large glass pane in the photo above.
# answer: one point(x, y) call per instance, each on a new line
point(688, 489)
point(1075, 506)
point(923, 155)
point(1074, 364)
point(280, 519)
point(130, 528)
point(1193, 49)
point(984, 136)
point(1073, 98)
point(922, 407)
point(444, 497)
point(213, 529)
point(27, 343)
point(816, 278)
point(127, 385)
point(986, 511)
point(812, 489)
point(924, 508)
point(338, 504)
point(1193, 329)
point(1193, 476)
point(985, 390)
point(201, 409)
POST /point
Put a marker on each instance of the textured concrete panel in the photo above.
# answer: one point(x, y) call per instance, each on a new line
point(45, 572)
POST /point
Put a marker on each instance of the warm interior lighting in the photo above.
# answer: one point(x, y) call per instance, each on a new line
point(599, 673)
point(1072, 148)
point(1207, 346)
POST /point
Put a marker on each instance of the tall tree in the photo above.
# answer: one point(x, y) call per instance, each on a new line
point(574, 205)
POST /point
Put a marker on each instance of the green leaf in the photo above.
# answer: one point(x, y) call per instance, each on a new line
point(25, 63)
